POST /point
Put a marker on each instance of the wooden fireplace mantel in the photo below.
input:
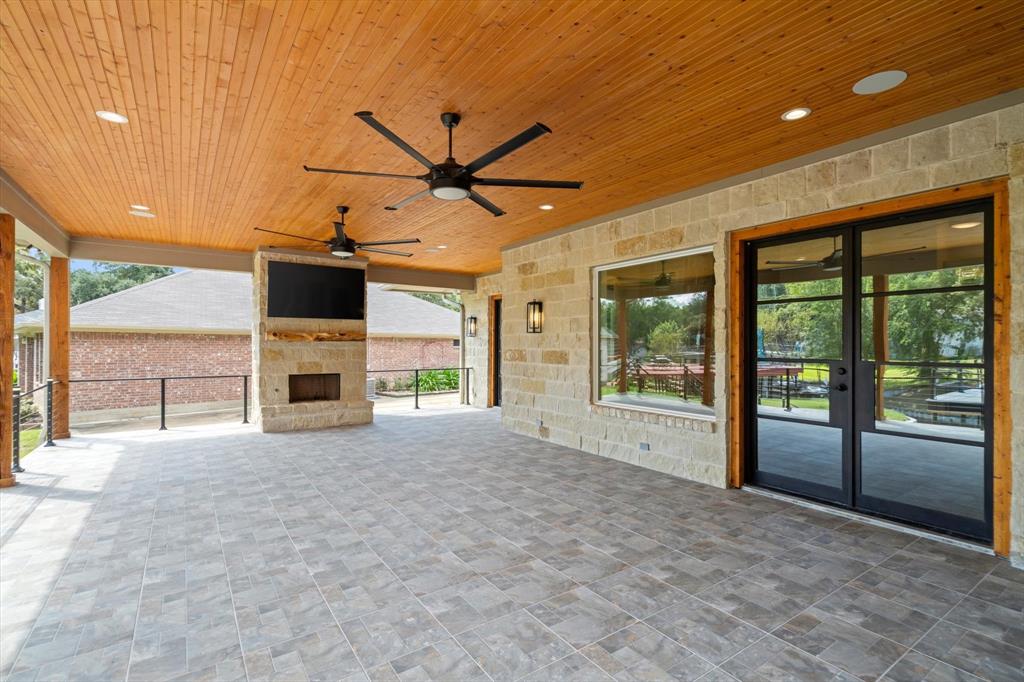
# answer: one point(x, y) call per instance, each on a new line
point(314, 336)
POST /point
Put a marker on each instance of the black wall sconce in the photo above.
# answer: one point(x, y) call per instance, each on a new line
point(534, 317)
point(471, 326)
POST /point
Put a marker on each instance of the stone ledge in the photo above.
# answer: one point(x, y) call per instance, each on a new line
point(699, 423)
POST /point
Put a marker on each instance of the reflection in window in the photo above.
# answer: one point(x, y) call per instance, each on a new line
point(655, 345)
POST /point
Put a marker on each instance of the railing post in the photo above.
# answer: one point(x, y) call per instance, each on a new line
point(16, 465)
point(245, 399)
point(163, 404)
point(416, 381)
point(49, 414)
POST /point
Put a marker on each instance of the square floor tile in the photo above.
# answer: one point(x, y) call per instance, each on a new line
point(637, 593)
point(513, 646)
point(580, 617)
point(640, 652)
point(706, 631)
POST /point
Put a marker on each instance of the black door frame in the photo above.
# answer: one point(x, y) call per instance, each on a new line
point(856, 420)
point(494, 361)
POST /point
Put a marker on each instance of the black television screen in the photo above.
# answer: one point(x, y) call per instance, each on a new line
point(300, 290)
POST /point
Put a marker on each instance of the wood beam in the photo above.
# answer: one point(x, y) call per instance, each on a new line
point(6, 349)
point(59, 313)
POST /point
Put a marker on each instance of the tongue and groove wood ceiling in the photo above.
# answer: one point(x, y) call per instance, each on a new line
point(227, 100)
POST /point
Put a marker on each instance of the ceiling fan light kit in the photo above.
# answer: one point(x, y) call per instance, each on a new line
point(452, 181)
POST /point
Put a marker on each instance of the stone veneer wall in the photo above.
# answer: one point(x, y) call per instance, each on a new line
point(273, 361)
point(546, 377)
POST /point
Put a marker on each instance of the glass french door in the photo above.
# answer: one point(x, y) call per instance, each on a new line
point(869, 355)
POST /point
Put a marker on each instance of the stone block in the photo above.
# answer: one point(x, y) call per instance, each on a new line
point(741, 197)
point(555, 357)
point(766, 190)
point(792, 184)
point(973, 136)
point(1010, 125)
point(987, 165)
point(821, 176)
point(891, 157)
point(852, 168)
point(929, 147)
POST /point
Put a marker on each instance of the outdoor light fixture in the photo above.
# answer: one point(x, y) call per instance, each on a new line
point(471, 326)
point(534, 317)
point(964, 226)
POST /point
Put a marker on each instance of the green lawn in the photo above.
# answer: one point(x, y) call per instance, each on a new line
point(822, 404)
point(29, 440)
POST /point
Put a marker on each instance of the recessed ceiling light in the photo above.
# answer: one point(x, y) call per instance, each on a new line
point(139, 207)
point(112, 116)
point(442, 246)
point(545, 207)
point(964, 226)
point(141, 214)
point(879, 82)
point(796, 114)
point(432, 250)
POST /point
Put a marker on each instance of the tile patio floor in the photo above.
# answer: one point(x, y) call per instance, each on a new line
point(436, 546)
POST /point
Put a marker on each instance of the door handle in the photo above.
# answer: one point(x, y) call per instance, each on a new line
point(839, 387)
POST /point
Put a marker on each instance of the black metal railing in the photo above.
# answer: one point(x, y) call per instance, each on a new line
point(418, 372)
point(18, 395)
point(163, 389)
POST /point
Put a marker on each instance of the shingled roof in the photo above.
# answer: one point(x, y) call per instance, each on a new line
point(209, 301)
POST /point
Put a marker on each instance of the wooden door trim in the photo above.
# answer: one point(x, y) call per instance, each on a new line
point(492, 330)
point(997, 190)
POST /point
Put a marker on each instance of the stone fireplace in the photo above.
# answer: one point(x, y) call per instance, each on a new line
point(308, 373)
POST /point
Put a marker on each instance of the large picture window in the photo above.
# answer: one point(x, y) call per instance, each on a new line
point(653, 334)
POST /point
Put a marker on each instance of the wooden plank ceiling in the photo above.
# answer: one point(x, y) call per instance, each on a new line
point(227, 100)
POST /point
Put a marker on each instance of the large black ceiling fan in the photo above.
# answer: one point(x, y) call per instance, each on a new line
point(451, 180)
point(343, 246)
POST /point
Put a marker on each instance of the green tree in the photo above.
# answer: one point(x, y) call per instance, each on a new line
point(109, 278)
point(666, 338)
point(447, 299)
point(28, 284)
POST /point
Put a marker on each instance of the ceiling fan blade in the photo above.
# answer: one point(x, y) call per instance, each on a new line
point(512, 182)
point(368, 119)
point(486, 204)
point(389, 242)
point(296, 236)
point(408, 200)
point(896, 253)
point(387, 251)
point(797, 267)
point(506, 148)
point(311, 169)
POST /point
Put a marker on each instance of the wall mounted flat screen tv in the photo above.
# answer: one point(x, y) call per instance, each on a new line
point(301, 290)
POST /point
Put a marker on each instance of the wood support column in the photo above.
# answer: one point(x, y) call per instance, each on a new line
point(622, 329)
point(708, 378)
point(6, 349)
point(59, 313)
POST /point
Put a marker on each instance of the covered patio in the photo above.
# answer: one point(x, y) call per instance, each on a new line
point(437, 545)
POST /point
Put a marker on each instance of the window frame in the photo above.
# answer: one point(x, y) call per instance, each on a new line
point(595, 332)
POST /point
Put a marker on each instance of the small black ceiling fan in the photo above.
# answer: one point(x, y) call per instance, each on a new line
point(833, 261)
point(450, 180)
point(346, 247)
point(660, 282)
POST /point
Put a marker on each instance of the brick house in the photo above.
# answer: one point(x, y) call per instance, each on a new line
point(198, 322)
